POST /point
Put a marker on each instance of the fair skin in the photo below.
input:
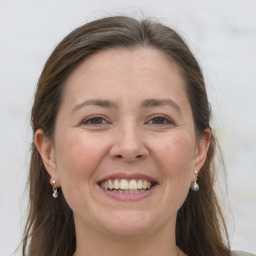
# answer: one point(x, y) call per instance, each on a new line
point(125, 116)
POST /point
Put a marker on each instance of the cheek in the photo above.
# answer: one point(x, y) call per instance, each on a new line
point(177, 165)
point(78, 157)
point(177, 156)
point(179, 174)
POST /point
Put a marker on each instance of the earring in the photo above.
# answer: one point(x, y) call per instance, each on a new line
point(194, 186)
point(55, 190)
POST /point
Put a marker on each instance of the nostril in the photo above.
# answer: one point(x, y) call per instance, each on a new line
point(137, 157)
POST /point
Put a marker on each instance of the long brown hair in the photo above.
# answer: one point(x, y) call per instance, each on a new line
point(50, 230)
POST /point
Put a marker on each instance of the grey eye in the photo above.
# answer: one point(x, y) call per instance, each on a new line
point(160, 120)
point(96, 120)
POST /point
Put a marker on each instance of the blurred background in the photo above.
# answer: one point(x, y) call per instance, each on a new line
point(221, 34)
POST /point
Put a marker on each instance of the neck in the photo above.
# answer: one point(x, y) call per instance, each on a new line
point(159, 243)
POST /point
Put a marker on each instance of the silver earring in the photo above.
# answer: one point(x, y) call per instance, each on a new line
point(55, 190)
point(194, 186)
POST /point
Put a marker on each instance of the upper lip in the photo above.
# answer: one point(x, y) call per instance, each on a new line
point(128, 176)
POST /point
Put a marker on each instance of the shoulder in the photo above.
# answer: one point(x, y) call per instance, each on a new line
point(238, 253)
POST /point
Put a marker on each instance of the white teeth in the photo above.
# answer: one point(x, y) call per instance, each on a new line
point(128, 191)
point(144, 184)
point(116, 184)
point(139, 184)
point(126, 185)
point(110, 184)
point(133, 184)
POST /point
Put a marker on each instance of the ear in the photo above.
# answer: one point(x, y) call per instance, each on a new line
point(46, 149)
point(201, 151)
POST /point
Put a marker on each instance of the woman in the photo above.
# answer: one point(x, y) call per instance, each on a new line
point(122, 133)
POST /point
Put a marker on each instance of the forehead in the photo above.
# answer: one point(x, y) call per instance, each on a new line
point(125, 73)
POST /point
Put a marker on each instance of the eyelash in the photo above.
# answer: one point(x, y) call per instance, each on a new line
point(88, 121)
point(93, 118)
point(165, 119)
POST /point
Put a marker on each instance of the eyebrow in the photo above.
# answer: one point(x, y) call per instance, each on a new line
point(149, 103)
point(161, 102)
point(96, 102)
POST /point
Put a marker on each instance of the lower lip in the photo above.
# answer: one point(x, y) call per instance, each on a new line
point(129, 197)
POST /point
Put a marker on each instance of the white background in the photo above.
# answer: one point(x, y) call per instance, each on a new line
point(221, 33)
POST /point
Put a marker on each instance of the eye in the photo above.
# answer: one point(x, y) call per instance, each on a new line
point(95, 120)
point(160, 120)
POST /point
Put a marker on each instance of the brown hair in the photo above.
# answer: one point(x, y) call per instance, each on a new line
point(50, 230)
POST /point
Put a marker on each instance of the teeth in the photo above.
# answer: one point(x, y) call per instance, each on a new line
point(120, 191)
point(116, 184)
point(110, 184)
point(133, 184)
point(126, 186)
point(139, 184)
point(144, 184)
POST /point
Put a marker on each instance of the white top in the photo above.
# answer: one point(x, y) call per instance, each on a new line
point(237, 253)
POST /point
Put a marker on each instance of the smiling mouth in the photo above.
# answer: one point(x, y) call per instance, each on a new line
point(124, 186)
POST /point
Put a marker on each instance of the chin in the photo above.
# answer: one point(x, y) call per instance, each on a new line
point(128, 223)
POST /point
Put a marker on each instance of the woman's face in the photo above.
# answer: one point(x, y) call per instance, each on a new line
point(124, 149)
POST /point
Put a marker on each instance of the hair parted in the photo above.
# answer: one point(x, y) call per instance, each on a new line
point(50, 230)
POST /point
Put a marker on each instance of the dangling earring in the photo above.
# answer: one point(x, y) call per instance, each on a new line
point(194, 186)
point(55, 190)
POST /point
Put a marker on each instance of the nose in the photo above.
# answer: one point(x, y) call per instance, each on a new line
point(129, 144)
